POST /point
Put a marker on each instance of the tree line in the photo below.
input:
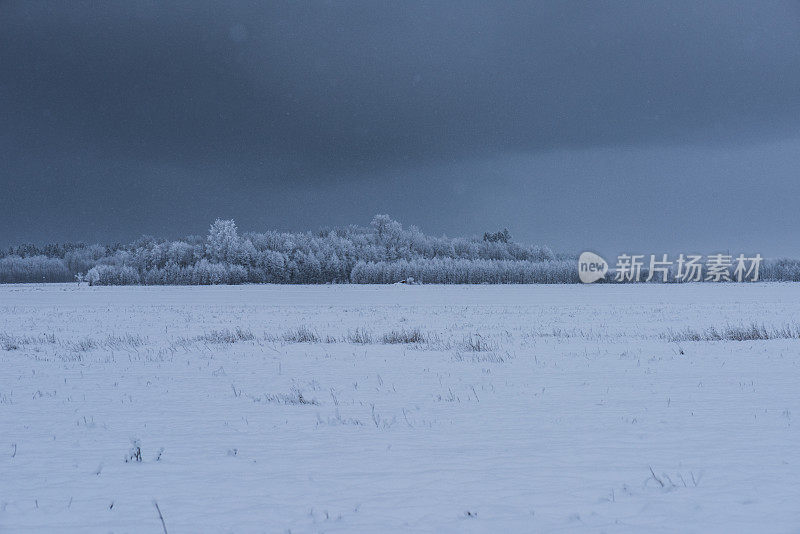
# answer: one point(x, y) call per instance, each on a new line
point(384, 252)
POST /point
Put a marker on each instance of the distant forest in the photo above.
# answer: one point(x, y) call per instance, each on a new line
point(383, 253)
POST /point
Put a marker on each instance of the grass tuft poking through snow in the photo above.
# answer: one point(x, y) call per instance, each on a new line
point(302, 334)
point(477, 343)
point(359, 336)
point(404, 336)
point(226, 336)
point(752, 332)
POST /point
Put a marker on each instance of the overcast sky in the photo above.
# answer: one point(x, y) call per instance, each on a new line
point(612, 126)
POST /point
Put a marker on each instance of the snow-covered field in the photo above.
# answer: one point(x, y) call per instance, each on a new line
point(400, 408)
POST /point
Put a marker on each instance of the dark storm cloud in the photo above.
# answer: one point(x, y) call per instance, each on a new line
point(109, 109)
point(344, 82)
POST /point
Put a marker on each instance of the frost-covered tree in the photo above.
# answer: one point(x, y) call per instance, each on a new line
point(17, 269)
point(223, 240)
point(385, 228)
point(112, 275)
point(503, 236)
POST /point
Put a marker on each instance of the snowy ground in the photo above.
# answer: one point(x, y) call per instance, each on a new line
point(523, 409)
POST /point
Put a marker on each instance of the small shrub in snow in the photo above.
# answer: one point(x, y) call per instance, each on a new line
point(135, 452)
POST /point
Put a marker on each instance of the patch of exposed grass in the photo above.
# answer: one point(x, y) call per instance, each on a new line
point(752, 332)
point(477, 343)
point(360, 336)
point(302, 334)
point(10, 342)
point(124, 341)
point(295, 396)
point(226, 336)
point(82, 345)
point(404, 336)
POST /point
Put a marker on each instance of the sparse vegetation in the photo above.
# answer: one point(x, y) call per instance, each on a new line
point(302, 334)
point(361, 336)
point(135, 452)
point(752, 332)
point(10, 342)
point(477, 343)
point(295, 396)
point(226, 336)
point(404, 336)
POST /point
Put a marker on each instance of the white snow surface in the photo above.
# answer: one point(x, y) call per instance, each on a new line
point(526, 409)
